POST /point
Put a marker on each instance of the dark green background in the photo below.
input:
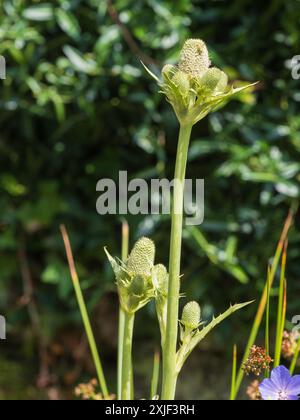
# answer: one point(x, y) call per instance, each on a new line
point(76, 107)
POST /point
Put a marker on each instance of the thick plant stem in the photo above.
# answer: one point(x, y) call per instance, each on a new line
point(127, 372)
point(125, 246)
point(169, 356)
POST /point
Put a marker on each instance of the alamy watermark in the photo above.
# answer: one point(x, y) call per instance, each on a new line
point(296, 322)
point(295, 66)
point(2, 67)
point(2, 328)
point(139, 197)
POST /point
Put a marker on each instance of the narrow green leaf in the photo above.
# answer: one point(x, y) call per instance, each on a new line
point(280, 311)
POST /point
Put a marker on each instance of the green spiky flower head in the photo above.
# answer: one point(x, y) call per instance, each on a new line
point(134, 277)
point(141, 259)
point(191, 315)
point(193, 88)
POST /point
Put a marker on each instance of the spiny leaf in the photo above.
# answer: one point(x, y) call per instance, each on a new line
point(184, 352)
point(151, 73)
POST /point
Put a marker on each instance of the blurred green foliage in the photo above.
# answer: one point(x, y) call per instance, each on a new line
point(77, 106)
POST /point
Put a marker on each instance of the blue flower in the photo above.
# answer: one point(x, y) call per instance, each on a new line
point(281, 386)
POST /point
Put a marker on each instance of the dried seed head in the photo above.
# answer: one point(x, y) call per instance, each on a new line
point(191, 315)
point(257, 361)
point(214, 80)
point(141, 259)
point(194, 59)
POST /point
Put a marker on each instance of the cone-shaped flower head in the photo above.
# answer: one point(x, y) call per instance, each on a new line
point(194, 58)
point(141, 259)
point(134, 278)
point(191, 315)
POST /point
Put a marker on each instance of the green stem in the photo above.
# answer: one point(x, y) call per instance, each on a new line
point(125, 246)
point(169, 357)
point(267, 372)
point(155, 376)
point(295, 359)
point(84, 314)
point(280, 314)
point(127, 374)
point(120, 350)
point(234, 372)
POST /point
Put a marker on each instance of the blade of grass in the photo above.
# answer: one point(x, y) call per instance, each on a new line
point(125, 248)
point(280, 311)
point(263, 301)
point(282, 321)
point(84, 313)
point(267, 373)
point(234, 372)
point(155, 376)
point(295, 359)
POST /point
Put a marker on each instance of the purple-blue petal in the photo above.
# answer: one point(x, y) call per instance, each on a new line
point(293, 387)
point(268, 390)
point(281, 377)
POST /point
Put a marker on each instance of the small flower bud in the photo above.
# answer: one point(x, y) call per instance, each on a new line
point(182, 81)
point(214, 80)
point(168, 71)
point(194, 59)
point(191, 315)
point(137, 286)
point(160, 278)
point(141, 259)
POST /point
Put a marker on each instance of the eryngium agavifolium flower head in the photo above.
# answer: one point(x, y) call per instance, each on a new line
point(194, 58)
point(141, 259)
point(160, 278)
point(192, 87)
point(134, 277)
point(191, 315)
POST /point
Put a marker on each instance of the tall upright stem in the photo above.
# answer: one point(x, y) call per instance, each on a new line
point(169, 357)
point(125, 246)
point(127, 372)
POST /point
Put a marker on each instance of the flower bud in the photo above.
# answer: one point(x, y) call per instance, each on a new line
point(141, 259)
point(191, 315)
point(168, 72)
point(214, 81)
point(194, 59)
point(182, 81)
point(137, 286)
point(160, 278)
